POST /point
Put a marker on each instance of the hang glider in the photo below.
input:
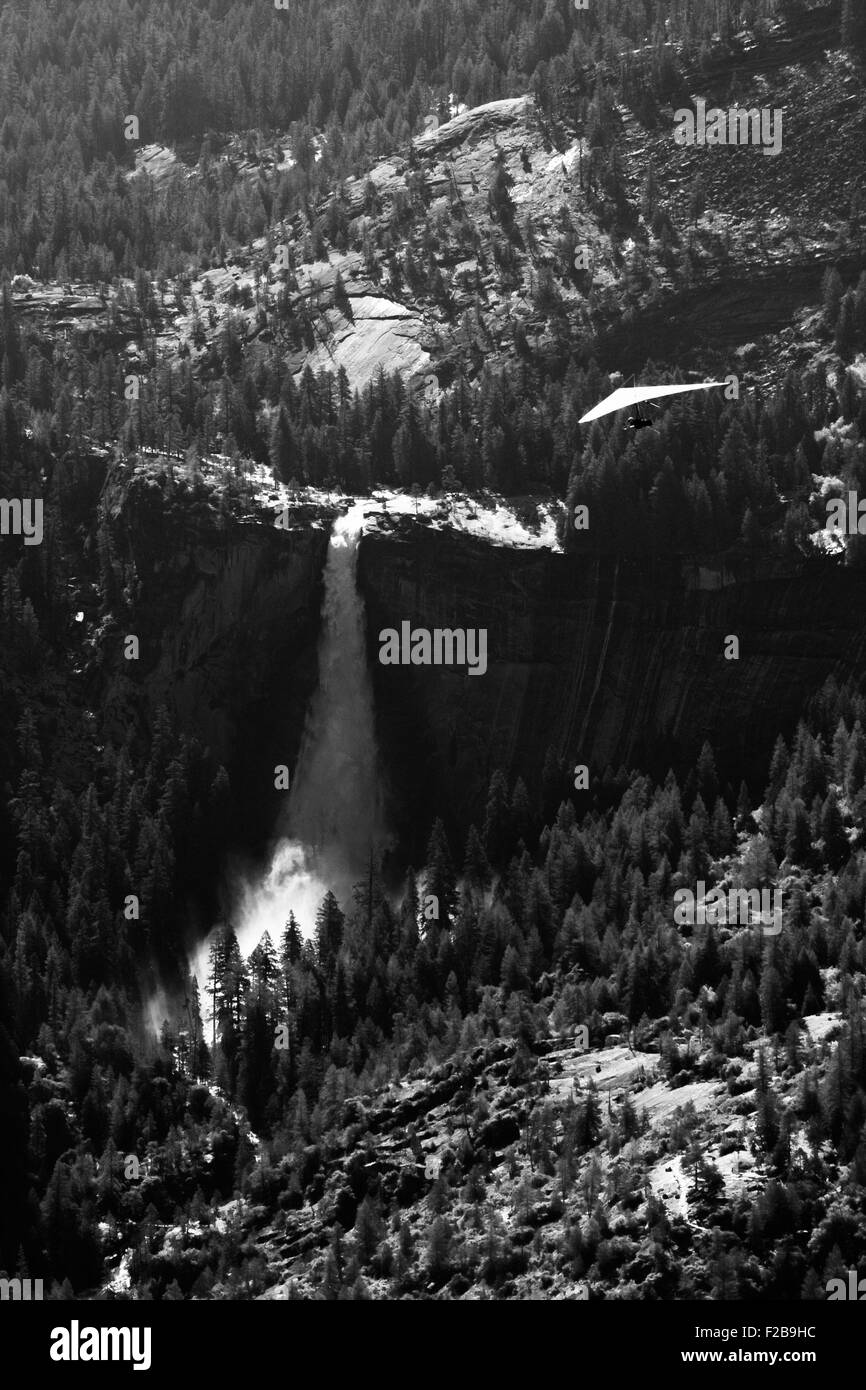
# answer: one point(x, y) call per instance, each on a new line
point(626, 396)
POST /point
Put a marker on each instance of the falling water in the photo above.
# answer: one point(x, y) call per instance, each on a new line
point(334, 818)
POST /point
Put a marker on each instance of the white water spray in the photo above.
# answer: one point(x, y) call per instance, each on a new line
point(334, 818)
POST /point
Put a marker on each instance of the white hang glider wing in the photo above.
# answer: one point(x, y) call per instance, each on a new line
point(626, 396)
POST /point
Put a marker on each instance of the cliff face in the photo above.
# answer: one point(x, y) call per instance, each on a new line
point(609, 660)
point(226, 611)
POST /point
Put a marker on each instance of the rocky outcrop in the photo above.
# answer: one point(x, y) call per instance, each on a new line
point(71, 311)
point(371, 332)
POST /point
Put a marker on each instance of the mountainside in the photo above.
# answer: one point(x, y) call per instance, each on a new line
point(327, 974)
point(484, 214)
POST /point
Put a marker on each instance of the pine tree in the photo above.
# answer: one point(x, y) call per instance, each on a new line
point(721, 832)
point(779, 765)
point(198, 1060)
point(707, 778)
point(845, 335)
point(773, 1011)
point(497, 822)
point(369, 1229)
point(344, 1013)
point(264, 971)
point(520, 814)
point(229, 983)
point(341, 296)
point(439, 1247)
point(832, 830)
point(291, 947)
point(280, 449)
point(256, 1076)
point(441, 878)
point(798, 843)
point(476, 869)
point(588, 1123)
point(833, 290)
point(329, 931)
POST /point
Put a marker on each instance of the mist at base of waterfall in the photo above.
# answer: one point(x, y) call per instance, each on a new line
point(296, 881)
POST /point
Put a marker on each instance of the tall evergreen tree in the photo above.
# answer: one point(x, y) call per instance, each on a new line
point(329, 931)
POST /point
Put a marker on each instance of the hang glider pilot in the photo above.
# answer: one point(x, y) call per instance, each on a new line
point(638, 421)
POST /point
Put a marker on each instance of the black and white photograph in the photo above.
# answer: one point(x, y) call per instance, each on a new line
point(432, 673)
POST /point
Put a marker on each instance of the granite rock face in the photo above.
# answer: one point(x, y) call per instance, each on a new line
point(227, 615)
point(609, 660)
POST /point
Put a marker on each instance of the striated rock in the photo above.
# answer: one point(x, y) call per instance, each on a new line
point(380, 332)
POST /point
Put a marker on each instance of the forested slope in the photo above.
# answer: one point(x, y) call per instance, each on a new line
point(433, 167)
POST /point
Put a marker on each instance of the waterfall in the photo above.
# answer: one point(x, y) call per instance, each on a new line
point(334, 818)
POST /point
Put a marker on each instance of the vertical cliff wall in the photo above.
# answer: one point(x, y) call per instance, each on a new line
point(609, 660)
point(226, 610)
